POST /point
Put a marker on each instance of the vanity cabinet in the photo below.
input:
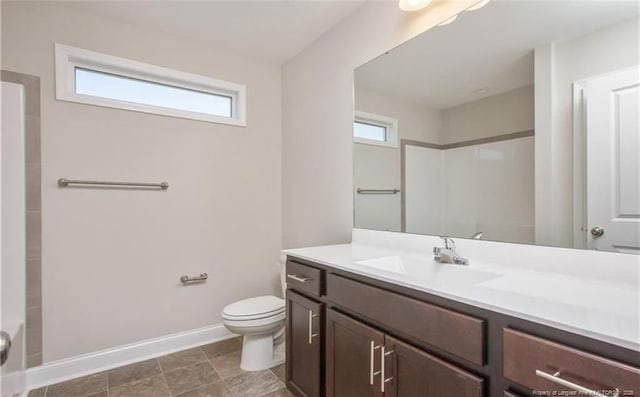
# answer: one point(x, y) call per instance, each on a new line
point(541, 364)
point(305, 279)
point(353, 357)
point(363, 361)
point(448, 330)
point(412, 372)
point(350, 335)
point(304, 344)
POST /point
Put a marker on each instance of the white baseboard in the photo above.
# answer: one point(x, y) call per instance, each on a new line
point(58, 371)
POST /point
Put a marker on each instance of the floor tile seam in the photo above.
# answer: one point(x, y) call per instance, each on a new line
point(198, 387)
point(183, 366)
point(109, 387)
point(215, 369)
point(164, 378)
point(227, 386)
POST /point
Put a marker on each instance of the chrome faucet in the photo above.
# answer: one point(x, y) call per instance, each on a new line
point(448, 254)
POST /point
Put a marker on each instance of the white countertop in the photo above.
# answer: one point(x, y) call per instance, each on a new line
point(602, 309)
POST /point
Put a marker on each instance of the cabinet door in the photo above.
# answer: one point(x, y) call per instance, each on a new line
point(411, 372)
point(304, 345)
point(353, 357)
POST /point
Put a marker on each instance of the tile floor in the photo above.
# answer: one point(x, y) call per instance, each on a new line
point(207, 371)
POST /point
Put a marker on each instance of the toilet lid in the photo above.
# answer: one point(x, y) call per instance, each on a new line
point(252, 308)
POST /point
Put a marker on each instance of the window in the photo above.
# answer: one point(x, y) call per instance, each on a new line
point(370, 131)
point(97, 79)
point(374, 129)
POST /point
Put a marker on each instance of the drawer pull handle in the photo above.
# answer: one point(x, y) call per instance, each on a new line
point(373, 373)
point(555, 378)
point(383, 379)
point(311, 334)
point(298, 278)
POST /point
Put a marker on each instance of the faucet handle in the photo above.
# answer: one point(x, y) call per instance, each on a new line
point(448, 243)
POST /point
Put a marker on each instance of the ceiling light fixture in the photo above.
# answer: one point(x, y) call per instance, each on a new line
point(448, 21)
point(413, 5)
point(478, 5)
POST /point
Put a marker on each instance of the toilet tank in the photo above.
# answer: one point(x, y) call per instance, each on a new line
point(283, 271)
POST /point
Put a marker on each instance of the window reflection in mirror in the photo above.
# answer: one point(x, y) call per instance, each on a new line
point(518, 122)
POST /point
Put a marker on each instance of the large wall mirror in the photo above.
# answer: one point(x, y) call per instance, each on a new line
point(517, 122)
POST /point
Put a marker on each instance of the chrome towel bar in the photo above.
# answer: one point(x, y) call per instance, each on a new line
point(378, 191)
point(64, 182)
point(186, 279)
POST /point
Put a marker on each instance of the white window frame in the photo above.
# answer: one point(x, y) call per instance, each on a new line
point(389, 123)
point(69, 58)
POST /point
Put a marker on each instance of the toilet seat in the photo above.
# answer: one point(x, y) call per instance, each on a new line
point(261, 307)
point(254, 325)
point(261, 322)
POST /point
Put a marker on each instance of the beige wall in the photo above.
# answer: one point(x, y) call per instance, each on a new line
point(112, 258)
point(318, 115)
point(499, 114)
point(415, 121)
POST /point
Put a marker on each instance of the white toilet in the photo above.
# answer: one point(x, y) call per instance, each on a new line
point(260, 321)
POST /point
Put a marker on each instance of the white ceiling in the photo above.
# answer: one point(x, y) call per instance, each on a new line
point(488, 48)
point(272, 29)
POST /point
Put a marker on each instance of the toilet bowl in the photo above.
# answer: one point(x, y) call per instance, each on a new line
point(260, 320)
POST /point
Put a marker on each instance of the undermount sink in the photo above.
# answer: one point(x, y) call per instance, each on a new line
point(432, 271)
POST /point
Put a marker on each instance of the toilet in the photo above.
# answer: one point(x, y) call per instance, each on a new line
point(261, 322)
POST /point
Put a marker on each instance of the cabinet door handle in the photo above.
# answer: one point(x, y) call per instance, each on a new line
point(383, 379)
point(555, 378)
point(311, 334)
point(298, 278)
point(372, 371)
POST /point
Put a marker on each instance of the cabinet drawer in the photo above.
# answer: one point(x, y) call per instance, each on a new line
point(528, 358)
point(453, 332)
point(304, 278)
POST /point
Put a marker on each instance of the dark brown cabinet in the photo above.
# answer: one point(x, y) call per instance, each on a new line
point(349, 335)
point(304, 279)
point(448, 330)
point(353, 357)
point(362, 361)
point(542, 364)
point(411, 372)
point(305, 319)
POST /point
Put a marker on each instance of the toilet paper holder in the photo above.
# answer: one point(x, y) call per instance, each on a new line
point(184, 279)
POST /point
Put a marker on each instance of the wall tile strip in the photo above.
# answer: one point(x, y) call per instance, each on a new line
point(33, 168)
point(480, 141)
